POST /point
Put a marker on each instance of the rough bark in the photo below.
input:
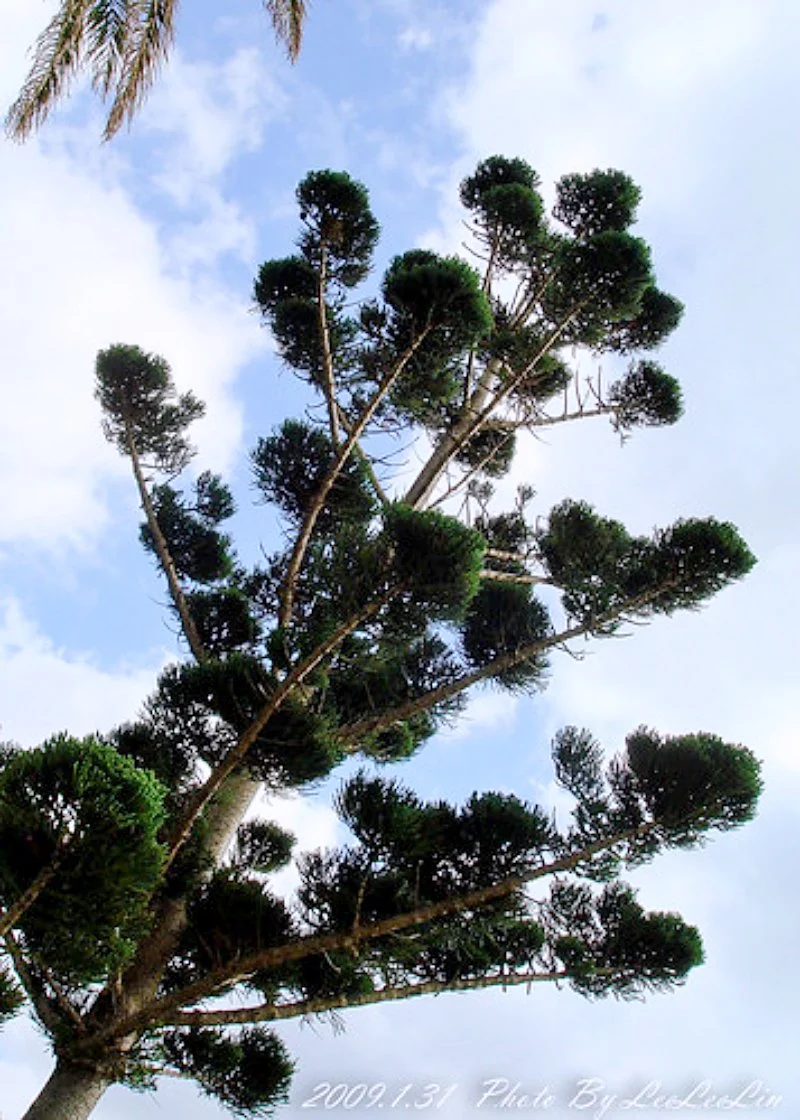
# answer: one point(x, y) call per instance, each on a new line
point(70, 1093)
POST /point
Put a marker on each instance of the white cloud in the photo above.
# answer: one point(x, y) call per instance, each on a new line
point(210, 114)
point(573, 97)
point(44, 690)
point(691, 99)
point(87, 265)
point(692, 116)
point(486, 709)
point(85, 270)
point(689, 102)
point(414, 38)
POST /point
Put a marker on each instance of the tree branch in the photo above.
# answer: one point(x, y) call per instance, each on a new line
point(237, 754)
point(355, 731)
point(566, 417)
point(476, 469)
point(474, 415)
point(318, 501)
point(46, 1008)
point(529, 297)
point(513, 577)
point(163, 552)
point(380, 493)
point(62, 1000)
point(530, 422)
point(328, 380)
point(10, 917)
point(161, 1010)
point(267, 1012)
point(505, 554)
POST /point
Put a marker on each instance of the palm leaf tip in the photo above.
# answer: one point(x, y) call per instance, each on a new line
point(148, 36)
point(288, 20)
point(57, 56)
point(123, 43)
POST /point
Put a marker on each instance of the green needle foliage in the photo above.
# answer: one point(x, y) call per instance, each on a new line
point(79, 805)
point(249, 1074)
point(599, 202)
point(138, 398)
point(133, 890)
point(11, 997)
point(290, 467)
point(340, 232)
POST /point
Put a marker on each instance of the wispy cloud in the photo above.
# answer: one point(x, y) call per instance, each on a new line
point(88, 264)
point(415, 38)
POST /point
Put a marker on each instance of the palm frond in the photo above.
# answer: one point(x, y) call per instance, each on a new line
point(57, 55)
point(288, 19)
point(124, 43)
point(148, 38)
point(109, 25)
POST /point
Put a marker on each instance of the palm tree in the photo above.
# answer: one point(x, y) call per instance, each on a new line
point(122, 43)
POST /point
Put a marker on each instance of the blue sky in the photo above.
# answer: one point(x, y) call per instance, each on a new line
point(155, 238)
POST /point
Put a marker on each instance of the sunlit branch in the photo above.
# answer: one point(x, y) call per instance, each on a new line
point(498, 576)
point(328, 379)
point(480, 407)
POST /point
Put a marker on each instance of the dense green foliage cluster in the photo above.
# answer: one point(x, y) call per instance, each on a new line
point(81, 804)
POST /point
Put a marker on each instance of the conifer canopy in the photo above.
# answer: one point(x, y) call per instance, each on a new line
point(136, 887)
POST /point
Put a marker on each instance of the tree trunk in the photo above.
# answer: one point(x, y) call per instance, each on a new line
point(70, 1094)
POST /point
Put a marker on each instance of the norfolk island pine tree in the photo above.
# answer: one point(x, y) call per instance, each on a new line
point(134, 894)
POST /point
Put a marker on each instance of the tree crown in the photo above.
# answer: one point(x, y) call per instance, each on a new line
point(133, 894)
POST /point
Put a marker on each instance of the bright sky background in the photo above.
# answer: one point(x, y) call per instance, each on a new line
point(154, 240)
